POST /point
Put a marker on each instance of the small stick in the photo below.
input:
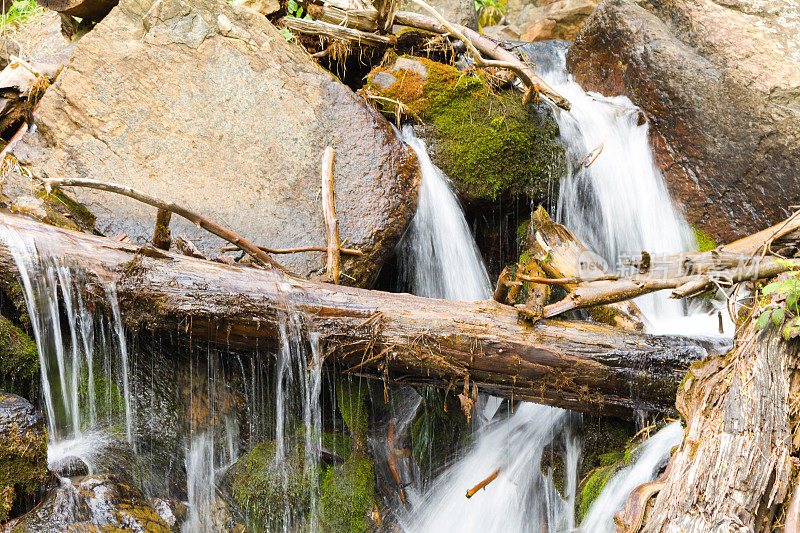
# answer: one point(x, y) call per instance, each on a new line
point(299, 249)
point(191, 216)
point(331, 224)
point(565, 281)
point(471, 492)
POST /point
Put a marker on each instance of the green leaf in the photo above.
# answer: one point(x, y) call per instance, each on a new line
point(763, 319)
point(772, 287)
point(292, 6)
point(287, 34)
point(792, 329)
point(778, 315)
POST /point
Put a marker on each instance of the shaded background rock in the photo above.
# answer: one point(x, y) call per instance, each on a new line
point(720, 85)
point(541, 20)
point(206, 104)
point(457, 11)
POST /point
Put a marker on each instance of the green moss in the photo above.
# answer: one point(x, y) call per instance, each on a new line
point(64, 212)
point(267, 492)
point(110, 404)
point(705, 242)
point(351, 400)
point(490, 144)
point(19, 360)
point(522, 232)
point(347, 495)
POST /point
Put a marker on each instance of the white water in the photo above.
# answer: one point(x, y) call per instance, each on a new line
point(647, 458)
point(616, 201)
point(440, 258)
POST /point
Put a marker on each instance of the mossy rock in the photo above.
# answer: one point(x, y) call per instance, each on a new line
point(489, 143)
point(351, 400)
point(23, 454)
point(19, 360)
point(266, 492)
point(347, 495)
point(705, 242)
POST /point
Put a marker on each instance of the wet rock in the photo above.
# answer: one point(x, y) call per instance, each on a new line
point(720, 84)
point(93, 503)
point(172, 512)
point(206, 104)
point(541, 20)
point(347, 495)
point(23, 455)
point(69, 466)
point(488, 142)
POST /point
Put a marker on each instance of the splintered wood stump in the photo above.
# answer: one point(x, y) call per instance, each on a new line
point(733, 469)
point(399, 337)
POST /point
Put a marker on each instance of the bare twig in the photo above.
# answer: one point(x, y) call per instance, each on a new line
point(296, 250)
point(191, 216)
point(331, 224)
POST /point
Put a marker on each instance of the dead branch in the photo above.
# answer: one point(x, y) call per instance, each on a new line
point(191, 216)
point(479, 43)
point(331, 224)
point(333, 31)
point(296, 250)
point(161, 235)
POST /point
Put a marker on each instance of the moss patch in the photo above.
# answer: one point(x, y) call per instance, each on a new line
point(705, 242)
point(489, 143)
point(265, 491)
point(347, 495)
point(64, 212)
point(439, 429)
point(19, 360)
point(351, 400)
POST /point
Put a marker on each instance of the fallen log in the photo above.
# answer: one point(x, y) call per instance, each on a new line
point(359, 19)
point(93, 10)
point(333, 31)
point(399, 337)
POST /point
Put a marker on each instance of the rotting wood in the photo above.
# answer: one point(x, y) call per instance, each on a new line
point(576, 365)
point(212, 227)
point(502, 57)
point(471, 492)
point(329, 212)
point(333, 31)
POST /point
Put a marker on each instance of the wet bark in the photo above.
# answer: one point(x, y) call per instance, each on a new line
point(732, 471)
point(398, 337)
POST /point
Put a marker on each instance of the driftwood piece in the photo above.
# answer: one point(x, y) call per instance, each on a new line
point(296, 250)
point(359, 19)
point(191, 216)
point(733, 468)
point(399, 337)
point(333, 31)
point(471, 492)
point(331, 224)
point(486, 46)
point(562, 257)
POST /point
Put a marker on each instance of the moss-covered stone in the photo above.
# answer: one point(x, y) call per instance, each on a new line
point(489, 143)
point(64, 212)
point(268, 492)
point(19, 360)
point(347, 495)
point(23, 454)
point(351, 400)
point(705, 242)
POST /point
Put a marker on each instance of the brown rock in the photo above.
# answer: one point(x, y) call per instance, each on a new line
point(542, 20)
point(720, 84)
point(456, 11)
point(205, 103)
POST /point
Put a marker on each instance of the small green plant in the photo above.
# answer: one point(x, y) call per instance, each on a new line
point(490, 12)
point(20, 11)
point(785, 308)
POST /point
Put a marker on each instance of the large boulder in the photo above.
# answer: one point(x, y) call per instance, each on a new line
point(23, 455)
point(720, 84)
point(206, 104)
point(457, 11)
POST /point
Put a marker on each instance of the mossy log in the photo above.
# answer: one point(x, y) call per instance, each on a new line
point(399, 337)
point(732, 471)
